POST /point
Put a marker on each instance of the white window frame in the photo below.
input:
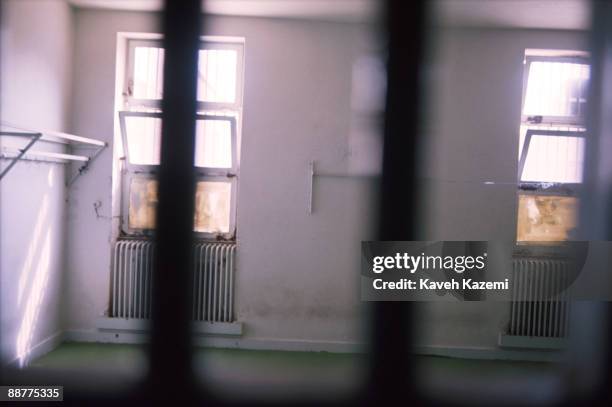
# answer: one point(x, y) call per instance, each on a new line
point(574, 128)
point(231, 112)
point(542, 119)
point(206, 43)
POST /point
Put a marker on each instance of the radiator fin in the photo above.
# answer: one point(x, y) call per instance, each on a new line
point(213, 280)
point(539, 307)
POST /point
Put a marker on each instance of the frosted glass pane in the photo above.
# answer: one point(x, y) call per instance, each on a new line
point(143, 203)
point(554, 159)
point(556, 89)
point(546, 218)
point(148, 75)
point(213, 144)
point(213, 206)
point(217, 70)
point(143, 136)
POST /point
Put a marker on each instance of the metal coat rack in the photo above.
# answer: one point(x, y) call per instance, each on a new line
point(51, 136)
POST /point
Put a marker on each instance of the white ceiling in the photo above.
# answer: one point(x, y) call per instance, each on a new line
point(335, 10)
point(544, 14)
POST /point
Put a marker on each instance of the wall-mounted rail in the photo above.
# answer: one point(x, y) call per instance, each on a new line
point(51, 136)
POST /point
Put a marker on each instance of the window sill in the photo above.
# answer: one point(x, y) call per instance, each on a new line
point(142, 326)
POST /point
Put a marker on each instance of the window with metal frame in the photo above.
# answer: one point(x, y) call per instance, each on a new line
point(551, 147)
point(219, 93)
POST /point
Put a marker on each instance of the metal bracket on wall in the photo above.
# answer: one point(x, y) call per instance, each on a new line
point(83, 168)
point(22, 152)
point(36, 135)
point(311, 172)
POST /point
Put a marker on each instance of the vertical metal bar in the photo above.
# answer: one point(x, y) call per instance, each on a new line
point(311, 173)
point(569, 304)
point(226, 290)
point(148, 276)
point(170, 326)
point(202, 281)
point(118, 283)
point(141, 280)
point(131, 281)
point(529, 295)
point(153, 249)
point(138, 264)
point(194, 280)
point(222, 286)
point(145, 280)
point(215, 289)
point(114, 281)
point(134, 279)
point(519, 296)
point(198, 283)
point(125, 281)
point(523, 302)
point(565, 299)
point(556, 301)
point(399, 191)
point(547, 308)
point(539, 283)
point(137, 284)
point(561, 300)
point(231, 289)
point(513, 300)
point(209, 284)
point(536, 297)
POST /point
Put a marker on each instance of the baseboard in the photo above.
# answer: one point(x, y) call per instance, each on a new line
point(41, 348)
point(297, 345)
point(531, 342)
point(142, 337)
point(490, 353)
point(122, 325)
point(290, 345)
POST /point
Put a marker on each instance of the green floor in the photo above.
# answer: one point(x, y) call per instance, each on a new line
point(276, 373)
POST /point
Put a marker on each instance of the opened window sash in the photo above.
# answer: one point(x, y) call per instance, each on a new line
point(151, 137)
point(530, 179)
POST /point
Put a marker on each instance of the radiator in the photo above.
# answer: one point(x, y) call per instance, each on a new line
point(539, 307)
point(212, 280)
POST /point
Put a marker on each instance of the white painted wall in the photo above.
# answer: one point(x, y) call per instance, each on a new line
point(472, 136)
point(36, 60)
point(297, 273)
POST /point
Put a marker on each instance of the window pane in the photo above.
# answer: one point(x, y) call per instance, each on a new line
point(217, 75)
point(554, 159)
point(213, 206)
point(143, 203)
point(143, 136)
point(556, 89)
point(546, 218)
point(148, 75)
point(213, 144)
